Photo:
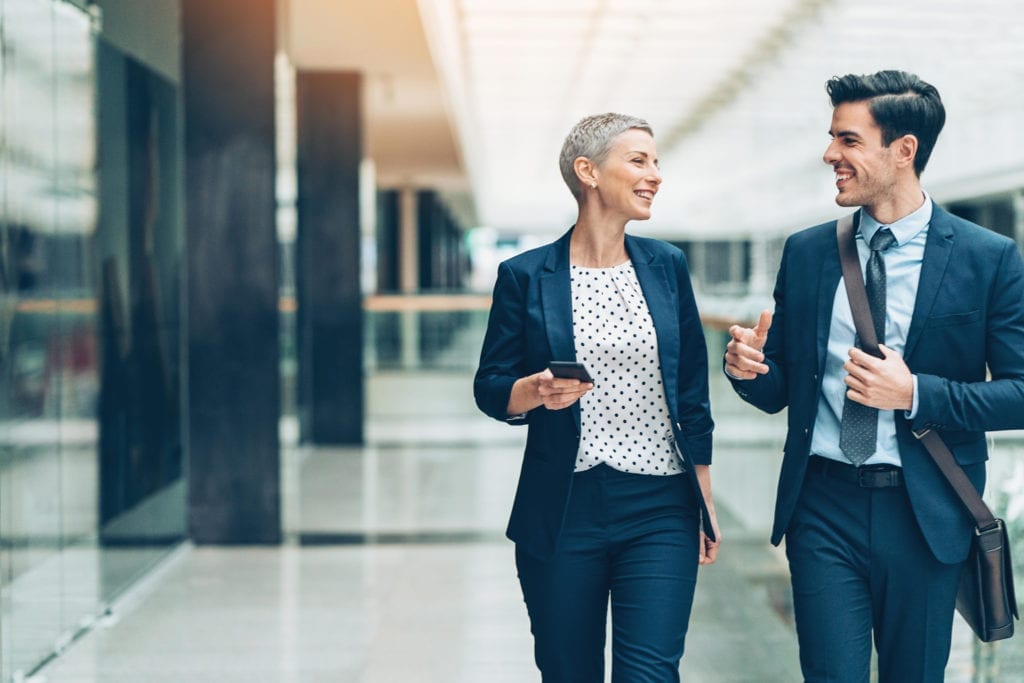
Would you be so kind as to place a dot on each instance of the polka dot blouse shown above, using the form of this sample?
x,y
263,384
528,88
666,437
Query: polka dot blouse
x,y
624,420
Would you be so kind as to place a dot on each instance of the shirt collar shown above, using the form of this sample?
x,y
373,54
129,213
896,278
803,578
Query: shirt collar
x,y
905,229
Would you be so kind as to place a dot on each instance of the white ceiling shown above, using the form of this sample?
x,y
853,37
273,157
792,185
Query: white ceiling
x,y
408,132
530,69
477,95
734,91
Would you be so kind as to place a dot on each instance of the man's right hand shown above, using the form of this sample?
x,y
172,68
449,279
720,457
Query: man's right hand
x,y
743,357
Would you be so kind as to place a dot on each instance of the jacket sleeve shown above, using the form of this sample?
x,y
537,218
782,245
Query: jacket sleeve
x,y
768,392
996,404
695,423
501,358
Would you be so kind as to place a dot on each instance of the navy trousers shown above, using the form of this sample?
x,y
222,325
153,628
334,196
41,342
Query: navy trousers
x,y
860,566
632,537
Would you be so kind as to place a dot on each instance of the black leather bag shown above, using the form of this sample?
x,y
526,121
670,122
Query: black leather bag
x,y
986,598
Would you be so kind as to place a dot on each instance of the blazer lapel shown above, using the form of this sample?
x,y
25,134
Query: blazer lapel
x,y
663,305
556,300
556,304
829,276
937,251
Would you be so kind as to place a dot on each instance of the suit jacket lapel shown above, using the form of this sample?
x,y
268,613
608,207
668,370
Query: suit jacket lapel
x,y
828,282
556,303
937,250
663,306
556,300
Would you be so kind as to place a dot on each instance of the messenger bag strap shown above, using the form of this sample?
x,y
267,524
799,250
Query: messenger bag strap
x,y
855,290
983,516
940,453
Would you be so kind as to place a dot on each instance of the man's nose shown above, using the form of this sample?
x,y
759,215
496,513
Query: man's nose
x,y
831,154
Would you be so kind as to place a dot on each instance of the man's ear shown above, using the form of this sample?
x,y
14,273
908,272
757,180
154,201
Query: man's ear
x,y
586,171
906,150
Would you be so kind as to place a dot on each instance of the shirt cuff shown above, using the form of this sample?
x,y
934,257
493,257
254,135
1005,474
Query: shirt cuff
x,y
741,379
912,413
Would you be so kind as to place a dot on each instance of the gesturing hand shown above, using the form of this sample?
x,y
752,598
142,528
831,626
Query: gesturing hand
x,y
743,357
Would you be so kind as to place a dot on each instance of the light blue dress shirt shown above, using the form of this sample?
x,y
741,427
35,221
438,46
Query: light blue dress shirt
x,y
902,273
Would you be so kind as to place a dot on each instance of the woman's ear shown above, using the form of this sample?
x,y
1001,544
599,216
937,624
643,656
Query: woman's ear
x,y
586,171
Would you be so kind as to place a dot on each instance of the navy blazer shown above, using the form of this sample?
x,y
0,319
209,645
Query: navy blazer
x,y
531,324
968,321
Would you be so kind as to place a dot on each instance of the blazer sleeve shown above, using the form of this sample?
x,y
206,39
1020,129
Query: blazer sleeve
x,y
768,392
695,423
501,358
996,404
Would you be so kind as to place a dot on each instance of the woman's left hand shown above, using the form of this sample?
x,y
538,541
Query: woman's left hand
x,y
709,548
708,551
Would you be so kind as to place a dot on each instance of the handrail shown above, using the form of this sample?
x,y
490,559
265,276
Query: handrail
x,y
427,302
376,303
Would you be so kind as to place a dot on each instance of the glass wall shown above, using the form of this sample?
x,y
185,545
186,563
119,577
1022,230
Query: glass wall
x,y
90,448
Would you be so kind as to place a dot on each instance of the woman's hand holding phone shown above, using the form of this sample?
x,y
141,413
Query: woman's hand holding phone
x,y
548,389
562,384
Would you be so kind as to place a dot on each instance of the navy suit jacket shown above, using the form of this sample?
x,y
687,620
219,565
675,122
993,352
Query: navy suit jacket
x,y
968,321
531,324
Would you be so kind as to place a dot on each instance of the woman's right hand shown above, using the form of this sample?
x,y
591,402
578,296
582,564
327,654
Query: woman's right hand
x,y
559,392
544,389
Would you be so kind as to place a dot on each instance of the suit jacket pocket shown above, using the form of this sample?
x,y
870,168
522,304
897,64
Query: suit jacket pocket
x,y
952,319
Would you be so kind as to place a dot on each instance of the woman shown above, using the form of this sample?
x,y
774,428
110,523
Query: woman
x,y
614,495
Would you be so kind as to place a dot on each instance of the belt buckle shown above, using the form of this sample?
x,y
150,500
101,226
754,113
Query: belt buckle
x,y
863,477
876,479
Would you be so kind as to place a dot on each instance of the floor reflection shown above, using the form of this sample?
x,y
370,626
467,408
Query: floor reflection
x,y
396,567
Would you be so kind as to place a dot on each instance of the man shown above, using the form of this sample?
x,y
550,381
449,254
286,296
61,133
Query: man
x,y
875,536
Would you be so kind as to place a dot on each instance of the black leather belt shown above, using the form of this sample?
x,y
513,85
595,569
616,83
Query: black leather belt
x,y
865,476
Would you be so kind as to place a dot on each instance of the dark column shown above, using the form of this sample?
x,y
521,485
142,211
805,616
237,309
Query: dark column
x,y
330,313
232,256
426,212
387,241
451,252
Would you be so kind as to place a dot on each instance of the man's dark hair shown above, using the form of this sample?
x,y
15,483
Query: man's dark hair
x,y
901,103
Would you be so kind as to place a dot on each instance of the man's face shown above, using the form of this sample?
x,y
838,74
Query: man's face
x,y
865,169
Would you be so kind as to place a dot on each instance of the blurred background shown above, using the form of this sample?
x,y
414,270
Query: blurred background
x,y
246,252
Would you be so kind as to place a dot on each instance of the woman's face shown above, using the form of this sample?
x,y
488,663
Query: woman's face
x,y
629,178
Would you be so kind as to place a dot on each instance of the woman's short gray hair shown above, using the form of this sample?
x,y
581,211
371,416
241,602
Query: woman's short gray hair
x,y
592,138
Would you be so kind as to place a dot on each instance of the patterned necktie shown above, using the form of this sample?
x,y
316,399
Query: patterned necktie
x,y
858,431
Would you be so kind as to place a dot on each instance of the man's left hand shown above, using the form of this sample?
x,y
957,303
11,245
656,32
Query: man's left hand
x,y
883,383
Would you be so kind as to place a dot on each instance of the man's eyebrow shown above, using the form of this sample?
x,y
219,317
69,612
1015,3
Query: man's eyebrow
x,y
845,134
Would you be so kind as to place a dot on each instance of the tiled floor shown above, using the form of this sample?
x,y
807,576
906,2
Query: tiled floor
x,y
397,570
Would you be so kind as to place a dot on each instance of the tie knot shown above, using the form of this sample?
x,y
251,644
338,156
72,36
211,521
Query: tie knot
x,y
882,239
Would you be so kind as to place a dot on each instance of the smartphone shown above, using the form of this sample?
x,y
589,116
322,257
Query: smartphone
x,y
570,370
